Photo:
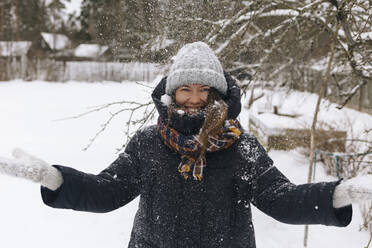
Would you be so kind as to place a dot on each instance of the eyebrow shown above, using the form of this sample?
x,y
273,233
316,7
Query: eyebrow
x,y
188,86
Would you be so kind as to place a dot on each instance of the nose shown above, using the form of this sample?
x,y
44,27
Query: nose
x,y
195,99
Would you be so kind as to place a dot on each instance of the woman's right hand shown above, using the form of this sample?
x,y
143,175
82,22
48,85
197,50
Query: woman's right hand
x,y
26,166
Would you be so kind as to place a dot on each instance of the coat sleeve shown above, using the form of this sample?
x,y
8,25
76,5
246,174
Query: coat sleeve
x,y
275,195
112,188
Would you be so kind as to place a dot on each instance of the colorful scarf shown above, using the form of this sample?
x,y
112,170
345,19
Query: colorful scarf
x,y
189,146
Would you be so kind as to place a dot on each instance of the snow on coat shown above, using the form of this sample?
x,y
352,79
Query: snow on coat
x,y
215,212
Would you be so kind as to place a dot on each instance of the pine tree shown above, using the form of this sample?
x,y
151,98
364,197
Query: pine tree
x,y
123,25
32,19
8,20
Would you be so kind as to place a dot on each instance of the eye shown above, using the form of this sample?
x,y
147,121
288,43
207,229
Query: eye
x,y
185,89
205,89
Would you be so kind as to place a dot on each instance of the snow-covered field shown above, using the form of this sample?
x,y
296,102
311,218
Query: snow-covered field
x,y
28,113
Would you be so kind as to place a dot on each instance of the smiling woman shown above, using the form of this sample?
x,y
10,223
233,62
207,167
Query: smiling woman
x,y
197,173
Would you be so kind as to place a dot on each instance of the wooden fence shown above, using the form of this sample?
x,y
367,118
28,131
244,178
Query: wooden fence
x,y
61,71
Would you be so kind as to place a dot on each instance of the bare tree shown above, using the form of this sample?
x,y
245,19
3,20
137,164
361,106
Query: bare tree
x,y
315,119
279,40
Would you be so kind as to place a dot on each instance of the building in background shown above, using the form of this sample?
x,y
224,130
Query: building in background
x,y
92,52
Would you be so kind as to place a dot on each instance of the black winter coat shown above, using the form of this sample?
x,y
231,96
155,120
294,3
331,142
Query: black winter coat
x,y
215,212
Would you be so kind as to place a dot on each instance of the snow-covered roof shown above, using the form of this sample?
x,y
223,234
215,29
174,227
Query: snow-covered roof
x,y
61,42
90,50
14,48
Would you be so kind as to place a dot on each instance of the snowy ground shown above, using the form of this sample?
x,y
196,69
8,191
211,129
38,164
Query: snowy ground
x,y
29,111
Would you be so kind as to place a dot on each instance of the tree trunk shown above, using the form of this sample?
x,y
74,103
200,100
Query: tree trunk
x,y
123,22
17,19
2,20
361,97
315,118
140,14
54,26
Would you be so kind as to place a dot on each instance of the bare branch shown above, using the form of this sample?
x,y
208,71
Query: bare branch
x,y
103,128
144,85
147,116
351,94
211,39
105,106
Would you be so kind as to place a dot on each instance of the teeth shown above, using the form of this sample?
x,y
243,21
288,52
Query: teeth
x,y
192,110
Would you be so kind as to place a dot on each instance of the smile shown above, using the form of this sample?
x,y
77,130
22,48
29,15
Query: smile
x,y
192,110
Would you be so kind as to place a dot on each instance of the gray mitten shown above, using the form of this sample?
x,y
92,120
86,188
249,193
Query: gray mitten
x,y
29,167
355,190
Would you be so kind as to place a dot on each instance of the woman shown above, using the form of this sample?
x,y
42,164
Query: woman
x,y
196,171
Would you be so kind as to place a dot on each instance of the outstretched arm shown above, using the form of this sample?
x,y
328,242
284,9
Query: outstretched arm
x,y
26,166
275,195
65,187
114,187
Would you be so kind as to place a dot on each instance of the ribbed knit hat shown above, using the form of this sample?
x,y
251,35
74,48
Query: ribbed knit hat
x,y
195,63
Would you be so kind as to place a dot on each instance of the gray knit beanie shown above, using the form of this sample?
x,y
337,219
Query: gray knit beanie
x,y
195,63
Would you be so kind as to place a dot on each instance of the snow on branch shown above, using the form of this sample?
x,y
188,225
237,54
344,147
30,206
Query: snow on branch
x,y
351,94
359,62
198,19
211,38
240,31
281,68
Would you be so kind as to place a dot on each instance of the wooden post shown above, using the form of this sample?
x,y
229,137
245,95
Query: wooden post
x,y
315,118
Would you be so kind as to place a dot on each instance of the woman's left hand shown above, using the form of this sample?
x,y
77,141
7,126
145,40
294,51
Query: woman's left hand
x,y
355,190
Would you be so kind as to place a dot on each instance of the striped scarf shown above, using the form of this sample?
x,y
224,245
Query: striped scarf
x,y
189,146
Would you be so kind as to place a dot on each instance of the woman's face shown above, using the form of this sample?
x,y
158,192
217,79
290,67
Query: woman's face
x,y
192,97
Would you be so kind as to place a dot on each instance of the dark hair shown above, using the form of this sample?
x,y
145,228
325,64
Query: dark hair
x,y
215,116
